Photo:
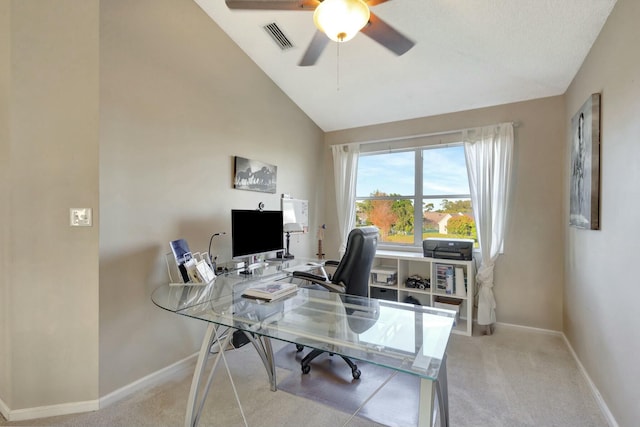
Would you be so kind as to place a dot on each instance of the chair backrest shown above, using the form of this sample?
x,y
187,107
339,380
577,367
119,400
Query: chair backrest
x,y
355,266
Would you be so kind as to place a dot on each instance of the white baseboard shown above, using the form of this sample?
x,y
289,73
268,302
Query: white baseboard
x,y
596,393
4,410
93,405
529,328
48,411
150,380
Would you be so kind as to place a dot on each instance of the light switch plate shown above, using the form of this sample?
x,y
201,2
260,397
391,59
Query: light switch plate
x,y
80,217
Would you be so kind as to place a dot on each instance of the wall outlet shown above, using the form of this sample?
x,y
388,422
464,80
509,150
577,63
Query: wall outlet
x,y
80,217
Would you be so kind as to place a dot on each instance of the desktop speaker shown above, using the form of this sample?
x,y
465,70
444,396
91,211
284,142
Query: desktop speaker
x,y
239,339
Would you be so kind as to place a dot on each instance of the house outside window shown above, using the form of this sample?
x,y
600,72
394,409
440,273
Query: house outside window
x,y
415,193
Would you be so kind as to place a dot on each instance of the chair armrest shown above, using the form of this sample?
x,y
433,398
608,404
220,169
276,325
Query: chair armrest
x,y
318,280
308,276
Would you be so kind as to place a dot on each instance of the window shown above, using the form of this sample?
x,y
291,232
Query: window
x,y
415,193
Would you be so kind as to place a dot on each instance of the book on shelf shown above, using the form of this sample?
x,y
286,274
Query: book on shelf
x,y
270,291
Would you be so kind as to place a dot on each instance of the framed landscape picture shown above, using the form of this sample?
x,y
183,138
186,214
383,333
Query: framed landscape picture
x,y
584,193
254,175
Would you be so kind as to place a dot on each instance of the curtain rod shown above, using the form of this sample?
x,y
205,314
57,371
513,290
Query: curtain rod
x,y
423,135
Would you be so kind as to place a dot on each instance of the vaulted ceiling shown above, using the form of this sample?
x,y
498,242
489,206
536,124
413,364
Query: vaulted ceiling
x,y
467,54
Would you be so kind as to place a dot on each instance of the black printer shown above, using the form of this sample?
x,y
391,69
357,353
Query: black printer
x,y
460,249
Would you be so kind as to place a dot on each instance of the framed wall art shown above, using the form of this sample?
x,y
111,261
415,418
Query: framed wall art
x,y
254,175
584,193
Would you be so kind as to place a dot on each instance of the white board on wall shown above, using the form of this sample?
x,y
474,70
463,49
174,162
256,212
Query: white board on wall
x,y
296,211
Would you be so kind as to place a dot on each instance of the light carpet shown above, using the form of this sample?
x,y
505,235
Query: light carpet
x,y
516,377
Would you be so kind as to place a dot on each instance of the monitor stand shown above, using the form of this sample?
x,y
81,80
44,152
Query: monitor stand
x,y
252,264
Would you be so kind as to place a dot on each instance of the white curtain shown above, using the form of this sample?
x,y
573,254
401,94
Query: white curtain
x,y
345,166
488,151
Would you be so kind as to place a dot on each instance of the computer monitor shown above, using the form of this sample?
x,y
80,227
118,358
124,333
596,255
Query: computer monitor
x,y
255,232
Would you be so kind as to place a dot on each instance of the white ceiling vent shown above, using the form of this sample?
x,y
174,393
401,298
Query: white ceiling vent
x,y
278,36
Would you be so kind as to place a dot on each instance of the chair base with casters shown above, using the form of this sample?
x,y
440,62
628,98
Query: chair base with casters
x,y
306,367
351,277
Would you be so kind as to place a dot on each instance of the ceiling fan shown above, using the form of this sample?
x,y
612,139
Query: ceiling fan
x,y
328,17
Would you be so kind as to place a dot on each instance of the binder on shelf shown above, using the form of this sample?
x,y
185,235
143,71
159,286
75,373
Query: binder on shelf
x,y
444,278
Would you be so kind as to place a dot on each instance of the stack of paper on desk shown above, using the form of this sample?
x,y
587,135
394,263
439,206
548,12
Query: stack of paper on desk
x,y
270,291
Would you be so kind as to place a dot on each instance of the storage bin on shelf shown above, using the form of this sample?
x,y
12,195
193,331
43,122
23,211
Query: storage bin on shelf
x,y
446,303
384,275
382,293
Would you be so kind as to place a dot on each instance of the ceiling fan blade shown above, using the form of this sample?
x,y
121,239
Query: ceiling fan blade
x,y
387,36
272,4
313,52
375,2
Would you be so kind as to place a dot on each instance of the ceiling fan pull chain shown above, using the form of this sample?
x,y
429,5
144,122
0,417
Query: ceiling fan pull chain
x,y
338,67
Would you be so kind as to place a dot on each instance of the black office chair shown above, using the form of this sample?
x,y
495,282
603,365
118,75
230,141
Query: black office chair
x,y
351,277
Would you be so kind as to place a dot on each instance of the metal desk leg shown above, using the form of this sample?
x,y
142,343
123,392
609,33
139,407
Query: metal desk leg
x,y
272,362
427,395
443,393
263,348
428,391
196,401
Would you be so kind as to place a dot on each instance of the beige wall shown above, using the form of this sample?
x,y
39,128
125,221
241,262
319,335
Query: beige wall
x,y
528,285
178,100
5,79
135,109
52,281
146,99
601,287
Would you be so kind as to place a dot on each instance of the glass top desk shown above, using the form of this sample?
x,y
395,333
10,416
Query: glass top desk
x,y
400,337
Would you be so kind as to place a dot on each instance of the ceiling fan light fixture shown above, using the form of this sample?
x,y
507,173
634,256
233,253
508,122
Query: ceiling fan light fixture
x,y
341,20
